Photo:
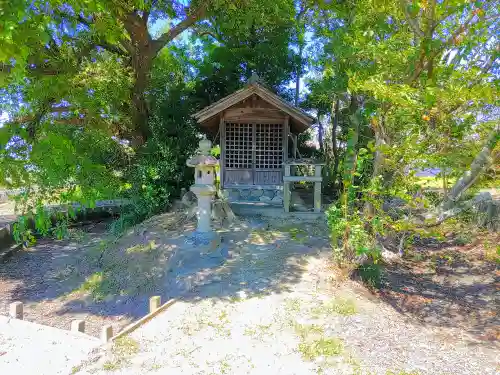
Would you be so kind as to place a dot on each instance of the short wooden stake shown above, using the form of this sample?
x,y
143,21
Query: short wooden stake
x,y
16,310
106,333
78,326
154,303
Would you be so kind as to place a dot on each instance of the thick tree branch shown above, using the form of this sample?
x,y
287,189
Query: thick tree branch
x,y
422,64
189,21
411,21
203,30
493,57
33,125
482,161
111,48
205,33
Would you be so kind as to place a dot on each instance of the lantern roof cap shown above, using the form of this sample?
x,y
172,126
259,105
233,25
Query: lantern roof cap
x,y
202,160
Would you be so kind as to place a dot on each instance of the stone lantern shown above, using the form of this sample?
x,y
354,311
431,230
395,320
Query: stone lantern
x,y
204,183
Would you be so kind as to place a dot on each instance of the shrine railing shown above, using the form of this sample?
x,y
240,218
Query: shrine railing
x,y
290,177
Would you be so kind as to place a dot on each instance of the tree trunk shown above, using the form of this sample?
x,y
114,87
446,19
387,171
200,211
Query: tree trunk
x,y
378,160
335,114
301,43
481,162
142,50
445,184
299,74
320,135
351,152
141,64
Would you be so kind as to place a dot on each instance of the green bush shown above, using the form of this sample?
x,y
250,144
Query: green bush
x,y
371,275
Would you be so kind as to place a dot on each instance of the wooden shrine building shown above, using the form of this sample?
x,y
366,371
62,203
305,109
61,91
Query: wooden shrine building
x,y
258,139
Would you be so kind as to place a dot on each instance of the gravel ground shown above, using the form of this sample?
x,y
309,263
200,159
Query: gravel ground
x,y
43,276
91,276
275,307
28,348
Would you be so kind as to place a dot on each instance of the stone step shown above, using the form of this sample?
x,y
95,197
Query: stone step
x,y
30,348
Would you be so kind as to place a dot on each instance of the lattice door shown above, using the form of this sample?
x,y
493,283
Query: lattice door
x,y
253,154
268,146
238,154
239,139
268,154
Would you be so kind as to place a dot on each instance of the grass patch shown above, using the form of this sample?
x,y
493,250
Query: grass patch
x,y
417,256
235,299
258,331
249,331
79,235
464,239
292,304
100,285
263,236
219,324
122,348
307,330
491,254
340,306
344,306
402,373
93,286
296,234
142,248
121,270
190,328
321,347
155,366
125,346
112,365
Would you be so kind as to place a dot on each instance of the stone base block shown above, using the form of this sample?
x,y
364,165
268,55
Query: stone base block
x,y
270,196
204,242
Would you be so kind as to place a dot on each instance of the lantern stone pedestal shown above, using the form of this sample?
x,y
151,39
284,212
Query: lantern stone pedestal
x,y
205,194
204,239
203,248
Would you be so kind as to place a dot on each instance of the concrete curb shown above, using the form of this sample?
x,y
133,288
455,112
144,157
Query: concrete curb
x,y
38,327
132,327
7,244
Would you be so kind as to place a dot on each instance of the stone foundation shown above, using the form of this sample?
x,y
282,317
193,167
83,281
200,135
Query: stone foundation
x,y
270,196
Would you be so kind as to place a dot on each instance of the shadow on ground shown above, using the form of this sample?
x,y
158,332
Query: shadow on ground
x,y
447,285
105,280
109,281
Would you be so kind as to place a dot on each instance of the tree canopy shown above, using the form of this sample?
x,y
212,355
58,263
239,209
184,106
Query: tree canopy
x,y
99,94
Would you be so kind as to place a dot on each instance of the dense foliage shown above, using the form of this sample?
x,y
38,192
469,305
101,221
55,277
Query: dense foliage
x,y
99,97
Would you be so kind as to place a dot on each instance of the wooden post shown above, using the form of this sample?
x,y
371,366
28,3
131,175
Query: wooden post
x,y
317,189
222,161
154,303
286,190
286,130
106,333
254,150
294,141
16,310
78,326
